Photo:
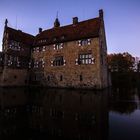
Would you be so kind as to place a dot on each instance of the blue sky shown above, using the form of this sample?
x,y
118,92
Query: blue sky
x,y
122,18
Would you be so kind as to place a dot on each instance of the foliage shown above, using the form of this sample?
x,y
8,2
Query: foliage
x,y
121,62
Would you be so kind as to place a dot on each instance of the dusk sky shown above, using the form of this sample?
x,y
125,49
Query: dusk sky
x,y
122,18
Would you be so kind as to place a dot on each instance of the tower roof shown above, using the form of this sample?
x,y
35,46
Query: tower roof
x,y
56,23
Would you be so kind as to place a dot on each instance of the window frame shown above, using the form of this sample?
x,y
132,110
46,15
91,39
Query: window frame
x,y
58,61
85,59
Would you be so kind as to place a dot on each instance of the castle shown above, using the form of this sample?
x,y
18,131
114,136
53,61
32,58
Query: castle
x,y
72,56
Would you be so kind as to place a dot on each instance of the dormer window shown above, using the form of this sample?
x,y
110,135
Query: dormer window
x,y
58,46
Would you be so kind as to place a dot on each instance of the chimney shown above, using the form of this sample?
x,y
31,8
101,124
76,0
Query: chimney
x,y
20,30
75,20
101,13
40,30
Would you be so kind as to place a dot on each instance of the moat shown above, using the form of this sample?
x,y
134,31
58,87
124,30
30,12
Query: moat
x,y
38,114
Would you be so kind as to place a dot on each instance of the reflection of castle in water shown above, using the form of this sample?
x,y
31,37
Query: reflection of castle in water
x,y
65,114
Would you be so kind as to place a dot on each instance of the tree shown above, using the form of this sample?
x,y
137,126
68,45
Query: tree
x,y
121,62
138,66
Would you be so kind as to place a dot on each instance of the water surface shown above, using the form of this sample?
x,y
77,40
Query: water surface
x,y
38,114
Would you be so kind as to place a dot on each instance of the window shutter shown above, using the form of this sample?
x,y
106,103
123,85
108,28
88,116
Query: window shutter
x,y
79,43
51,63
29,64
93,60
43,63
37,49
61,45
89,41
18,64
54,46
64,62
44,48
76,62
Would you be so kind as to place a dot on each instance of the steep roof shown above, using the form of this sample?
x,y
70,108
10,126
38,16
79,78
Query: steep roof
x,y
20,36
84,29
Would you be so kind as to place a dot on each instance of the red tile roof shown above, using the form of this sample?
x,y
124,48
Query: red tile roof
x,y
85,29
20,36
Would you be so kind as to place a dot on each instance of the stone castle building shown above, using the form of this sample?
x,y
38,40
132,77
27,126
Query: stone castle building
x,y
72,56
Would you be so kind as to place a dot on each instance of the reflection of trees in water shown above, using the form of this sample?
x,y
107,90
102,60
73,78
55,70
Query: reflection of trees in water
x,y
138,93
123,100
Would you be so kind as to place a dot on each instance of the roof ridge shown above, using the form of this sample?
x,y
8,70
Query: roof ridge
x,y
70,24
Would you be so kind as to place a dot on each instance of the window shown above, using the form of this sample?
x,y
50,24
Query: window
x,y
44,48
48,78
36,64
13,60
85,59
14,45
61,78
43,63
81,78
37,49
84,42
42,41
58,61
18,64
30,64
58,46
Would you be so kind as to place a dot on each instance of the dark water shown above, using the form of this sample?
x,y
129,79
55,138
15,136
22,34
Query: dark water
x,y
49,114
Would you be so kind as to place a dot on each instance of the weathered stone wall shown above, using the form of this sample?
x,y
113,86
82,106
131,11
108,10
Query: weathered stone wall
x,y
14,77
103,57
91,74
